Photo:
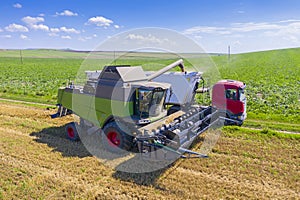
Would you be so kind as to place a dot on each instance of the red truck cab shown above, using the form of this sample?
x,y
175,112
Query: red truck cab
x,y
229,97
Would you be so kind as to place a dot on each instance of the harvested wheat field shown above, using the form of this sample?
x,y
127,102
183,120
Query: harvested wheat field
x,y
37,162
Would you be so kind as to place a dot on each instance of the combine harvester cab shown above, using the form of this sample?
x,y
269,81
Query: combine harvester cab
x,y
153,113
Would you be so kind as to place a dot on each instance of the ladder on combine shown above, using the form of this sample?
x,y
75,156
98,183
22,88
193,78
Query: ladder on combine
x,y
61,111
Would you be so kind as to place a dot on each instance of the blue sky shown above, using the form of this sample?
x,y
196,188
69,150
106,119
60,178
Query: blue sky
x,y
214,24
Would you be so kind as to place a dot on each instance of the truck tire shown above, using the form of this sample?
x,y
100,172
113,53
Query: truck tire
x,y
240,123
115,139
71,132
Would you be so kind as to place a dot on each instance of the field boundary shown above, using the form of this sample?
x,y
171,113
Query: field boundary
x,y
279,131
25,102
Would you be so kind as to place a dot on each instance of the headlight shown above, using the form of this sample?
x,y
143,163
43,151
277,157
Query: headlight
x,y
143,121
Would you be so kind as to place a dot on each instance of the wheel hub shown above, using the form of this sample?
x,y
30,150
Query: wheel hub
x,y
113,138
71,132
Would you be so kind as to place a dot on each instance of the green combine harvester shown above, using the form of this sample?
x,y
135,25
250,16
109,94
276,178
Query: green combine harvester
x,y
142,111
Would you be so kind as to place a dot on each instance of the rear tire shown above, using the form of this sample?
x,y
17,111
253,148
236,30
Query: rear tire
x,y
116,139
71,132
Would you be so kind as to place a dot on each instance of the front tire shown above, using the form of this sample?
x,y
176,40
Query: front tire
x,y
115,139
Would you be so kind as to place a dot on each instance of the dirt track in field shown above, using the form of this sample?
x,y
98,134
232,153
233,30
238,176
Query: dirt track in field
x,y
36,161
26,102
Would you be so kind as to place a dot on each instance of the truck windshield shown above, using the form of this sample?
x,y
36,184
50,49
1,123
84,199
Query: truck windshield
x,y
242,95
150,102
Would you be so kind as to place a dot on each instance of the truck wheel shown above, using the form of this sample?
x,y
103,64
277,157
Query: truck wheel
x,y
240,123
115,139
227,122
71,132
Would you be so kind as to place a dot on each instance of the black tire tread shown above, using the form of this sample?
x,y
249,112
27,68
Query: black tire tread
x,y
127,140
72,125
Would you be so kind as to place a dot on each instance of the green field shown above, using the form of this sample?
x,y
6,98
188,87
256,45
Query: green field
x,y
272,77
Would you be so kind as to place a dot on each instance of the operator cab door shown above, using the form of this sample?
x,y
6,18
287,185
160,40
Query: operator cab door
x,y
149,102
226,98
232,101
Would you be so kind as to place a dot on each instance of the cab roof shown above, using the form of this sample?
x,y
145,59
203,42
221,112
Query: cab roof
x,y
233,83
123,73
130,76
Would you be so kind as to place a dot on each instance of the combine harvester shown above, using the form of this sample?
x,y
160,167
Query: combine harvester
x,y
149,111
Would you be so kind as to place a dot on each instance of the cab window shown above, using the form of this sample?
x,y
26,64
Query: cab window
x,y
231,94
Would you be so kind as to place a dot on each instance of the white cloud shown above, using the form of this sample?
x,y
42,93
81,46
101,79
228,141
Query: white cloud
x,y
291,38
41,27
42,15
116,26
147,38
240,28
67,37
69,30
32,20
198,37
23,37
17,5
289,20
1,30
83,39
16,28
54,30
53,34
66,13
100,21
249,27
233,28
65,30
289,32
236,36
208,30
250,36
34,23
